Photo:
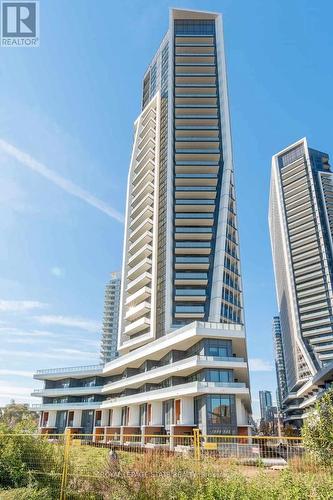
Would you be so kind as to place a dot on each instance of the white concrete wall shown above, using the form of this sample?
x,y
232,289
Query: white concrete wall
x,y
134,415
156,413
242,418
52,418
77,418
116,417
187,411
105,418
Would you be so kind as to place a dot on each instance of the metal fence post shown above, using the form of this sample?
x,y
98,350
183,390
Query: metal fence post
x,y
64,478
196,441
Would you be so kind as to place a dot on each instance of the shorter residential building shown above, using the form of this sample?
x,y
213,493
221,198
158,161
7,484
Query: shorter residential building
x,y
265,399
196,376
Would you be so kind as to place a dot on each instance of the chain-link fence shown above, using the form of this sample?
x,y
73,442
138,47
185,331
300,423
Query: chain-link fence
x,y
88,466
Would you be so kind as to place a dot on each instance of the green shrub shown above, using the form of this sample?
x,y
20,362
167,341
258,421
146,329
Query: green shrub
x,y
317,430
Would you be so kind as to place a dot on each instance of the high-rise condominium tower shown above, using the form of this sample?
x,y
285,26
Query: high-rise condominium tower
x,y
266,403
111,319
280,367
301,223
182,349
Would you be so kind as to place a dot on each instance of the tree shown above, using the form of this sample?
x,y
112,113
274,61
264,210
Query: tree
x,y
15,413
317,430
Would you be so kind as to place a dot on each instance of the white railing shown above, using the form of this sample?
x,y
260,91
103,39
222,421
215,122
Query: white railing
x,y
66,390
71,369
40,406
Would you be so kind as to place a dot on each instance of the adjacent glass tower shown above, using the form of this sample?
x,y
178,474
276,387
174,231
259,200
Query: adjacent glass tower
x,y
111,319
280,367
266,403
300,219
182,347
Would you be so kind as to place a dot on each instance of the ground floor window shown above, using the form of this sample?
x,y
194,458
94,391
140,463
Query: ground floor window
x,y
221,414
61,420
87,421
216,414
168,412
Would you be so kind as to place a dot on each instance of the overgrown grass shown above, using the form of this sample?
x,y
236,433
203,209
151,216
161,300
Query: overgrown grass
x,y
31,466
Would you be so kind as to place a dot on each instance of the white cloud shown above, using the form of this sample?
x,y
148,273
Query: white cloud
x,y
64,184
20,305
10,332
70,321
260,365
16,373
59,272
13,390
59,354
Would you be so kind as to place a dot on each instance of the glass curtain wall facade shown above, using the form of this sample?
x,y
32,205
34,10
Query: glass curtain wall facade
x,y
301,235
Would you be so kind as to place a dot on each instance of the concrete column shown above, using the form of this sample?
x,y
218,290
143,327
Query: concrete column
x,y
187,411
241,413
52,418
156,413
134,416
77,418
105,418
116,417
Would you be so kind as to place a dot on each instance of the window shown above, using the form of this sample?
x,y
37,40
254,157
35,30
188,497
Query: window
x,y
125,415
70,419
98,418
219,348
45,418
168,413
218,375
194,27
110,418
143,414
221,413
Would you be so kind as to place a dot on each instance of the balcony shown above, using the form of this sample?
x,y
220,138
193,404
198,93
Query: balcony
x,y
142,229
139,296
64,391
195,247
191,262
146,238
194,219
144,265
139,282
189,388
144,252
65,406
191,278
139,185
136,312
193,233
146,189
148,200
190,311
86,370
137,326
146,213
190,295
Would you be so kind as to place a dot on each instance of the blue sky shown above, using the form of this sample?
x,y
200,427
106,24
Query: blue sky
x,y
70,105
